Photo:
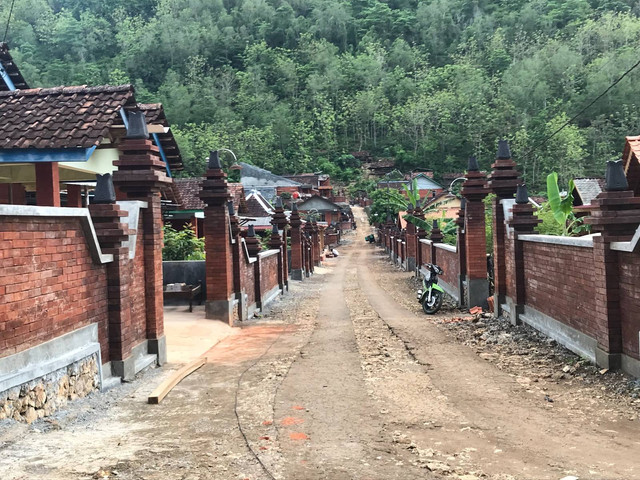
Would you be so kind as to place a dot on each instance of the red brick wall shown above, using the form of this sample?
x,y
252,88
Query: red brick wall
x,y
425,248
629,270
560,283
509,264
448,261
138,301
268,274
247,276
49,284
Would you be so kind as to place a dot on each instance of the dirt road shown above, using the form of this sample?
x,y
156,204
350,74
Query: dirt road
x,y
343,379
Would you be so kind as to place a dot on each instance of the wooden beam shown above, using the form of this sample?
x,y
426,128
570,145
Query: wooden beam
x,y
165,387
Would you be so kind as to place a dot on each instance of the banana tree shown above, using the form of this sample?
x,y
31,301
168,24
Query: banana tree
x,y
562,207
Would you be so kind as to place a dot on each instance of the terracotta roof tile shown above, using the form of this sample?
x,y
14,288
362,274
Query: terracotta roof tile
x,y
52,117
188,193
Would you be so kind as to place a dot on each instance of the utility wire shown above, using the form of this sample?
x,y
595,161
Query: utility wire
x,y
6,30
571,120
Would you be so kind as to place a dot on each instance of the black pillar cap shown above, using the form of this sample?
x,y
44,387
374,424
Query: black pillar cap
x,y
463,203
410,208
435,224
294,207
473,165
279,202
232,211
104,192
137,125
274,230
251,231
214,161
616,181
522,196
504,152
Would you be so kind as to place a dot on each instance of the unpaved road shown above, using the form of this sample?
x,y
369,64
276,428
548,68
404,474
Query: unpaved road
x,y
342,379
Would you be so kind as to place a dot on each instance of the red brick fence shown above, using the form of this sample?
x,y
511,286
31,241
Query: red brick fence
x,y
81,290
581,291
241,278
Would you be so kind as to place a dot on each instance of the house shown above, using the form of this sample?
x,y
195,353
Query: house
x,y
268,184
586,189
631,163
381,167
189,208
327,211
427,187
442,205
53,141
319,183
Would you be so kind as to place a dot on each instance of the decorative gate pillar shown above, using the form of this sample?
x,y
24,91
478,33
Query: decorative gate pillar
x,y
141,175
503,182
474,190
616,217
523,223
280,220
297,258
217,231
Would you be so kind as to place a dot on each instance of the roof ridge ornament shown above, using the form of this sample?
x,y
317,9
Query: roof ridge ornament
x,y
137,125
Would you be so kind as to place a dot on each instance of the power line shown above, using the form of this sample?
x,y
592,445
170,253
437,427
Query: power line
x,y
6,30
571,120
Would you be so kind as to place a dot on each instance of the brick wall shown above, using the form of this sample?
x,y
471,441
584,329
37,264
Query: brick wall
x,y
425,248
49,283
138,305
509,264
629,271
268,274
559,283
247,277
448,261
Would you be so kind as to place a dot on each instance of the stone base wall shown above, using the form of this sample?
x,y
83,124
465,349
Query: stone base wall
x,y
43,396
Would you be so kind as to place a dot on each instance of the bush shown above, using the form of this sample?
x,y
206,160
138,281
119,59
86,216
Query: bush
x,y
182,245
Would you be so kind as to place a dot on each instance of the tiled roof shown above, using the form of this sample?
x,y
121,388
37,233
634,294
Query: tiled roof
x,y
588,188
61,117
154,114
12,69
189,193
258,206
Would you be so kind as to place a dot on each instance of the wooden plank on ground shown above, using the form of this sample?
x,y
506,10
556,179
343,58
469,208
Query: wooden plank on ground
x,y
165,387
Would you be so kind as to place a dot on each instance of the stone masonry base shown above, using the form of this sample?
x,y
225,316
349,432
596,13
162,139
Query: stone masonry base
x,y
42,396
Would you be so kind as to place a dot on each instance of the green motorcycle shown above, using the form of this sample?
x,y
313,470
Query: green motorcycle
x,y
431,294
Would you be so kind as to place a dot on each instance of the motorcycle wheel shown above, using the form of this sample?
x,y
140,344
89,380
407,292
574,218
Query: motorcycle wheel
x,y
435,304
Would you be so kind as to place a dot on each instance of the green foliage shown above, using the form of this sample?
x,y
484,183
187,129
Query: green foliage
x,y
296,86
562,208
182,245
385,202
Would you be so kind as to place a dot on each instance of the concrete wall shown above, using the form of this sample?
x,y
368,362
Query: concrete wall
x,y
190,272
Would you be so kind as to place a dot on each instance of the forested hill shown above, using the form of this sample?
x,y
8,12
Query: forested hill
x,y
297,85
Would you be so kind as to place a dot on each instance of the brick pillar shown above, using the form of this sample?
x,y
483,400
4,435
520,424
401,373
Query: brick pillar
x,y
411,242
280,220
112,232
297,259
236,253
435,237
503,182
47,184
275,243
254,248
420,234
308,231
141,175
523,223
315,242
217,232
74,196
461,248
615,215
474,190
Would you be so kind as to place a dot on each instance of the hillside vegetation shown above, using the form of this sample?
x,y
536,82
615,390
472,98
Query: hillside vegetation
x,y
297,85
